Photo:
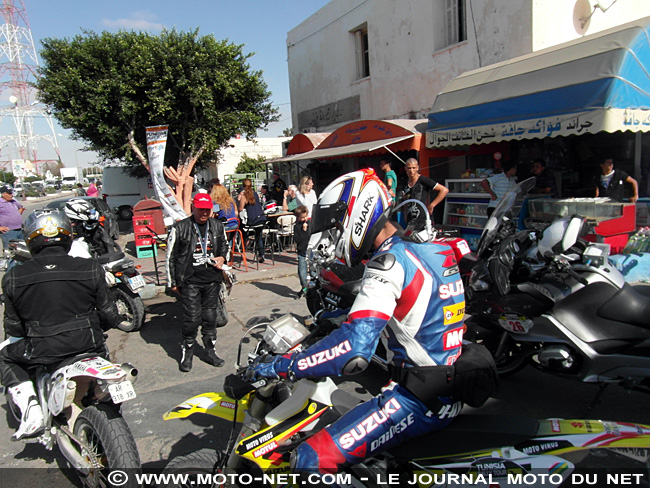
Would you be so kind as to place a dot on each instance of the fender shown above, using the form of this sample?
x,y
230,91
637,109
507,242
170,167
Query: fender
x,y
215,404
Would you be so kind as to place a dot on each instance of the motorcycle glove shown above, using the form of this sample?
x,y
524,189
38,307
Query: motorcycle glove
x,y
269,366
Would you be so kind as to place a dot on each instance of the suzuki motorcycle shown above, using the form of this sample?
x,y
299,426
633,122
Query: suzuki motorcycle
x,y
81,401
275,416
334,286
550,299
121,275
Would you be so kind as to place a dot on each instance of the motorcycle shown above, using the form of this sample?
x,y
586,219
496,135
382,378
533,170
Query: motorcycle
x,y
275,416
121,275
334,286
81,402
546,298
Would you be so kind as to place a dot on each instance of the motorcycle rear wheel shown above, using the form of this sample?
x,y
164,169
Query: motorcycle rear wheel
x,y
130,305
104,430
200,462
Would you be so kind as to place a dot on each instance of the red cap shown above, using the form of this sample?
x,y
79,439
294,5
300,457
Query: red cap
x,y
202,200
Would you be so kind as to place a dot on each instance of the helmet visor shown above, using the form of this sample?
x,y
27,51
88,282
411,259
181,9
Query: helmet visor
x,y
325,216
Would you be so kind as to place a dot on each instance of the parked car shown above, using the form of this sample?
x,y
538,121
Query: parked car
x,y
100,205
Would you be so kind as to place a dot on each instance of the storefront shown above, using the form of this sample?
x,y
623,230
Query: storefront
x,y
572,105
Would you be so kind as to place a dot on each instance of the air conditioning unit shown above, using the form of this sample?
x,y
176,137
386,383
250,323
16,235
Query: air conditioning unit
x,y
309,130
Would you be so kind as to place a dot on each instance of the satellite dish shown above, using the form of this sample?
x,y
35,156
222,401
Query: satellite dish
x,y
582,12
13,99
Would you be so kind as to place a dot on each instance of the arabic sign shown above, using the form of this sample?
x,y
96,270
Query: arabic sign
x,y
156,144
608,120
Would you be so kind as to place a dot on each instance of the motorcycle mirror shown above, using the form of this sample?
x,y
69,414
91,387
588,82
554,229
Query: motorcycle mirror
x,y
572,232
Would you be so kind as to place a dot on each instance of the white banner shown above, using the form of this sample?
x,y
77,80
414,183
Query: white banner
x,y
156,144
607,120
18,167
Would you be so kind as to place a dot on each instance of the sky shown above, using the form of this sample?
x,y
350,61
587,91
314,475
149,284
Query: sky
x,y
261,25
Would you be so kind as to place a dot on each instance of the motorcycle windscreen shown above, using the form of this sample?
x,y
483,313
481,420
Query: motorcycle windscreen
x,y
325,216
216,404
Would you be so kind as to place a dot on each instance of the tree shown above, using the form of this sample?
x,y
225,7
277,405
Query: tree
x,y
288,132
108,87
251,165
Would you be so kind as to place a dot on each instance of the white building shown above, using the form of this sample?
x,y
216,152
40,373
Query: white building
x,y
387,59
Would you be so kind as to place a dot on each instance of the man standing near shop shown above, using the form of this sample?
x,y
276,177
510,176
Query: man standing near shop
x,y
418,188
278,187
390,179
611,183
196,252
11,218
499,184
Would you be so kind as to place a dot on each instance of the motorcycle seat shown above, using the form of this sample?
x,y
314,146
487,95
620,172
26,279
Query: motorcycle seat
x,y
469,433
110,257
627,306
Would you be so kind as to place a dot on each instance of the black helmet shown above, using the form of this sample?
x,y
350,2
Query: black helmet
x,y
47,227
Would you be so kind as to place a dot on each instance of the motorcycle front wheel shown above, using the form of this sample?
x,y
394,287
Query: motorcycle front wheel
x,y
186,468
103,429
130,306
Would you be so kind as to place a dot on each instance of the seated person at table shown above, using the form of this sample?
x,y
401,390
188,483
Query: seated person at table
x,y
224,206
289,202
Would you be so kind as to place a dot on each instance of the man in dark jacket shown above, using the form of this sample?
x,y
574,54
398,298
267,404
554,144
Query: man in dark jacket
x,y
59,306
197,249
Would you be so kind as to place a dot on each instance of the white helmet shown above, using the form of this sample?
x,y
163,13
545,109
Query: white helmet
x,y
80,209
349,214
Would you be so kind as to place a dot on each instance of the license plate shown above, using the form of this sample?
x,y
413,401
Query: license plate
x,y
121,392
136,282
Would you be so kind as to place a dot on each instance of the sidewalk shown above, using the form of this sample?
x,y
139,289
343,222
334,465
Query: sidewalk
x,y
286,264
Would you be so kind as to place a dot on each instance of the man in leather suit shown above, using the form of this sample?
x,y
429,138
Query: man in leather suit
x,y
197,249
58,305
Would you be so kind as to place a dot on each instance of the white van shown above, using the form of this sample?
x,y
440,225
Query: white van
x,y
122,191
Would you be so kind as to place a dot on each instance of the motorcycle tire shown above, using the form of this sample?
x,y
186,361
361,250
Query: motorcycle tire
x,y
104,430
314,302
200,462
130,305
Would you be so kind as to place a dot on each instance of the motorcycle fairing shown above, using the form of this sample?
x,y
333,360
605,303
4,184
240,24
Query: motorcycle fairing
x,y
264,447
216,404
94,367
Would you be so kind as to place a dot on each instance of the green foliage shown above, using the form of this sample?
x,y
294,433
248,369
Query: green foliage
x,y
104,86
251,165
7,177
288,132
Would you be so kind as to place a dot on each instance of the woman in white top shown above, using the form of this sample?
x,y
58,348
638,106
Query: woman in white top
x,y
306,195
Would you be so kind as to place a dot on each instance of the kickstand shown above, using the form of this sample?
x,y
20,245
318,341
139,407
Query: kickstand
x,y
596,400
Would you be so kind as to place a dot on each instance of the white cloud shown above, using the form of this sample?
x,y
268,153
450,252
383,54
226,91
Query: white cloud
x,y
141,20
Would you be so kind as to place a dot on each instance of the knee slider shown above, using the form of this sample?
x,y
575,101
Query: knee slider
x,y
355,365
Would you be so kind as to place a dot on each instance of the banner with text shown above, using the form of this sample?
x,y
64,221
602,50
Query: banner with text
x,y
156,144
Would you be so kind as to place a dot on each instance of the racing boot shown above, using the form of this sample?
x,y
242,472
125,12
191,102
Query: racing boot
x,y
212,358
31,422
187,353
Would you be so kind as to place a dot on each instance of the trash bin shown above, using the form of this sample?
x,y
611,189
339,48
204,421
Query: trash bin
x,y
154,209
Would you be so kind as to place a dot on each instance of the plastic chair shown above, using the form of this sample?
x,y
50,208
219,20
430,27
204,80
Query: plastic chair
x,y
285,224
251,232
238,246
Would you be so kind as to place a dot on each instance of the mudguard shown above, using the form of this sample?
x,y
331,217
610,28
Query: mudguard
x,y
216,404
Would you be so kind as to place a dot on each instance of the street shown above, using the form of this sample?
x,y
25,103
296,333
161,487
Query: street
x,y
259,297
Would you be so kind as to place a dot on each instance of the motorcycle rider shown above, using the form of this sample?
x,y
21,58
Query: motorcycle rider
x,y
59,306
411,296
86,224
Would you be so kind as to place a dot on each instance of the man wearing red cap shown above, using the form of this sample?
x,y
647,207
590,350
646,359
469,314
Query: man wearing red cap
x,y
196,252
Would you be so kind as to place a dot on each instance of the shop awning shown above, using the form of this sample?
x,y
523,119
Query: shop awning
x,y
362,136
597,83
332,152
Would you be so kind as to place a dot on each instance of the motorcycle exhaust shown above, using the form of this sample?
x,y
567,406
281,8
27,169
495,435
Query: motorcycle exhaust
x,y
556,357
131,371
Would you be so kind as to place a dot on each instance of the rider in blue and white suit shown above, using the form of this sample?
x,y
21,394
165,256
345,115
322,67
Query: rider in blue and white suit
x,y
412,295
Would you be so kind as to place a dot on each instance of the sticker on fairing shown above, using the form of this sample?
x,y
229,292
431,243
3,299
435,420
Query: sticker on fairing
x,y
517,324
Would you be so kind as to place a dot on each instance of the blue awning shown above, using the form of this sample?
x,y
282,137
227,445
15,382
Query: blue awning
x,y
597,83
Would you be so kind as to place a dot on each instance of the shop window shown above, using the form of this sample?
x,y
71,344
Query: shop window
x,y
455,25
361,52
